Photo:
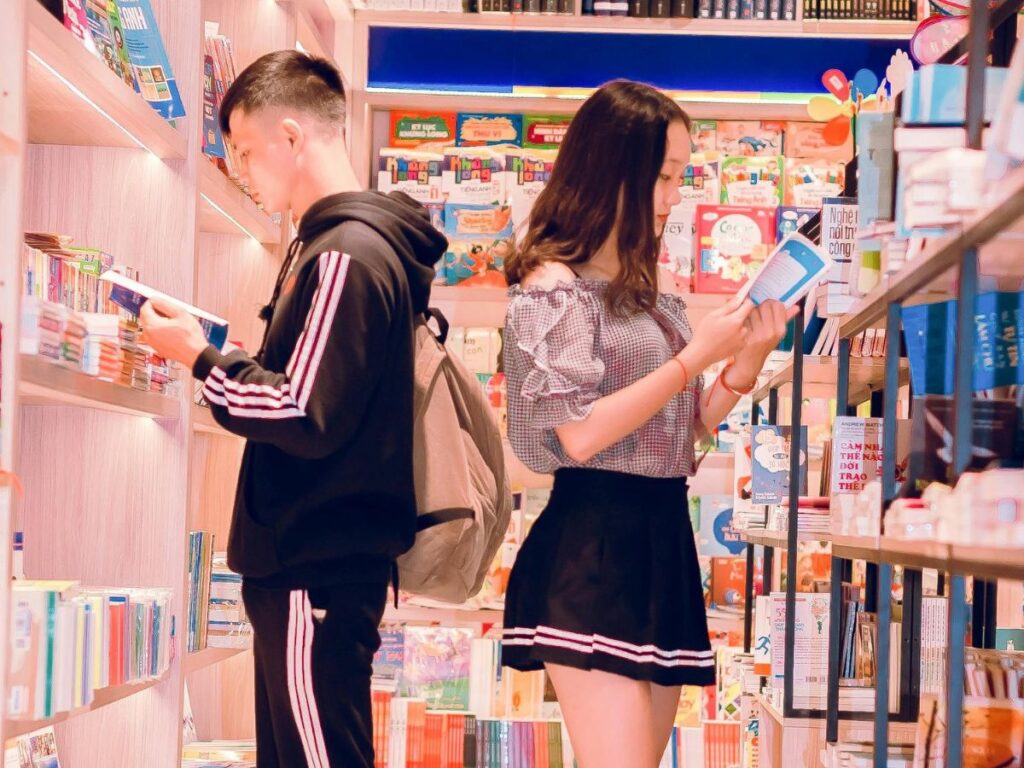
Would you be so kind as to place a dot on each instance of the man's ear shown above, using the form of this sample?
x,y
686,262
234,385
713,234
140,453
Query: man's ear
x,y
294,133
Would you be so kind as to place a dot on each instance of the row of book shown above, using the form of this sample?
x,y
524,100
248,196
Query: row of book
x,y
200,571
228,624
219,754
124,35
69,641
882,10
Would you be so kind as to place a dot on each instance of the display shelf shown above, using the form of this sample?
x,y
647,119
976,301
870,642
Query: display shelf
x,y
204,423
431,615
821,375
989,562
103,698
208,657
916,275
726,106
74,99
46,383
780,539
225,209
891,30
855,547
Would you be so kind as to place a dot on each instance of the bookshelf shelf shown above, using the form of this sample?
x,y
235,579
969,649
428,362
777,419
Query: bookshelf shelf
x,y
780,539
204,423
627,25
561,101
225,209
969,559
45,383
821,375
74,99
208,657
916,275
425,615
991,562
103,698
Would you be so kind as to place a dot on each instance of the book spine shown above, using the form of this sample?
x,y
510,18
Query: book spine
x,y
661,9
732,9
789,10
550,7
682,9
761,10
720,9
706,9
640,8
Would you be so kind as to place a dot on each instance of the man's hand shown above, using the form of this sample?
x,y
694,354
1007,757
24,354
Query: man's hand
x,y
172,331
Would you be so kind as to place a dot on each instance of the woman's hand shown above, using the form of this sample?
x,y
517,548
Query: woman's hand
x,y
766,325
724,332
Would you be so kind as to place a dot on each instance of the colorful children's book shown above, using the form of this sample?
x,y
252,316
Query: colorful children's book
x,y
484,129
717,536
753,181
809,182
154,78
789,219
792,271
732,243
474,175
807,140
545,131
413,130
416,173
479,241
771,463
102,35
117,33
704,135
526,174
749,139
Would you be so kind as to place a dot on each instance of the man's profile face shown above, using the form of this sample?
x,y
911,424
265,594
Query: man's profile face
x,y
265,151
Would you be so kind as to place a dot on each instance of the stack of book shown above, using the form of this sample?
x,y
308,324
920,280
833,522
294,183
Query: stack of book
x,y
219,754
228,625
760,10
69,641
812,515
887,10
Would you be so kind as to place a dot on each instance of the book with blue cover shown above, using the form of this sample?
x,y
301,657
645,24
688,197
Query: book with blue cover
x,y
130,295
154,77
717,536
930,332
770,463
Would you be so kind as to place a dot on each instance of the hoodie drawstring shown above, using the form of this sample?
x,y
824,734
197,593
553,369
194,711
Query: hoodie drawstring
x,y
267,311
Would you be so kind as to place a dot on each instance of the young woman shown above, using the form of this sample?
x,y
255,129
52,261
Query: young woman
x,y
605,390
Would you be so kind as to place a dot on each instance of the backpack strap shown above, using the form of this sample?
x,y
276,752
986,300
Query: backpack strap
x,y
435,314
430,519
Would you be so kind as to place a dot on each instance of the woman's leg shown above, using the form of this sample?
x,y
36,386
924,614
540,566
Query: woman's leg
x,y
664,705
609,717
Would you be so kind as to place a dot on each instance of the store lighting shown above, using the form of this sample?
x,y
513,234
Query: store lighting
x,y
229,217
74,89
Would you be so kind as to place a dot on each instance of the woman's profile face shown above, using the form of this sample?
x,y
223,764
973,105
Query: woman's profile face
x,y
666,188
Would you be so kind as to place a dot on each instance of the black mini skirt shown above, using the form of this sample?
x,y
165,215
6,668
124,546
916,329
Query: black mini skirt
x,y
608,579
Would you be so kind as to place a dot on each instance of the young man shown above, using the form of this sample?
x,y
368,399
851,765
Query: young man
x,y
325,498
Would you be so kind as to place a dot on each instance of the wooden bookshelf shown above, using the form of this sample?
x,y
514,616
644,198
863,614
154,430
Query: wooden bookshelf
x,y
780,539
103,697
73,99
9,145
969,559
46,383
821,376
999,213
225,209
207,657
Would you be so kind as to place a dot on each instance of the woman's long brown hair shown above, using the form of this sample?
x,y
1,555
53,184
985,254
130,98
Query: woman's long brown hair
x,y
603,183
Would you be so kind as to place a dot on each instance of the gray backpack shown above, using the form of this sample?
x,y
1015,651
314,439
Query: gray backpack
x,y
462,491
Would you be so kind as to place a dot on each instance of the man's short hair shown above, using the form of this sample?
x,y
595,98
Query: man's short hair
x,y
287,79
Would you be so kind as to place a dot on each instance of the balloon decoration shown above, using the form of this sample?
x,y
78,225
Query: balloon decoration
x,y
849,97
936,35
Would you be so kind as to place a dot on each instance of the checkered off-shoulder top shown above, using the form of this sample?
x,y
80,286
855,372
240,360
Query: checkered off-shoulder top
x,y
564,350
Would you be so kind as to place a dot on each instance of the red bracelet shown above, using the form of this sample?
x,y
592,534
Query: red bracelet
x,y
737,392
686,373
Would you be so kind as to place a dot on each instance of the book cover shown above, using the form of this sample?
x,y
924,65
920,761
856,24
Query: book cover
x,y
792,271
117,33
677,243
839,222
545,131
526,174
761,644
102,36
436,666
415,172
487,129
411,130
732,243
807,140
153,74
476,176
130,295
389,660
728,581
857,457
789,219
752,181
479,241
810,181
717,535
741,138
771,463
77,22
213,141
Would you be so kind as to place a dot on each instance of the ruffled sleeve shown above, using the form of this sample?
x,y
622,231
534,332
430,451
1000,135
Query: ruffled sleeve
x,y
553,366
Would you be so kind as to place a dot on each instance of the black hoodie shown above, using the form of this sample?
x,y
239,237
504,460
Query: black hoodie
x,y
325,494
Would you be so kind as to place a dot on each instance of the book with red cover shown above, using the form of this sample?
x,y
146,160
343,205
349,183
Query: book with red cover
x,y
731,244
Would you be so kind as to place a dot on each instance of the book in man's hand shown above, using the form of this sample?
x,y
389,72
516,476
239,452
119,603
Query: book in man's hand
x,y
131,295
